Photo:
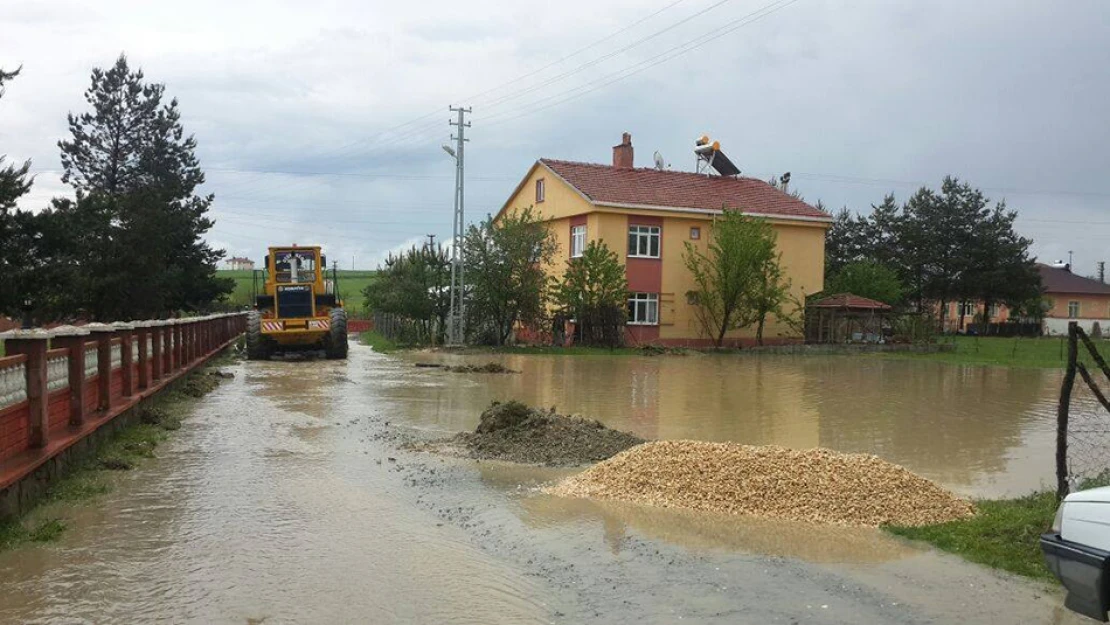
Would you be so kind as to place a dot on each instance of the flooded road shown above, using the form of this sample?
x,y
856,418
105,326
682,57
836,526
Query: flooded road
x,y
286,499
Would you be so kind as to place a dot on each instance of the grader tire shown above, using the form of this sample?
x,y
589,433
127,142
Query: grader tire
x,y
257,346
337,337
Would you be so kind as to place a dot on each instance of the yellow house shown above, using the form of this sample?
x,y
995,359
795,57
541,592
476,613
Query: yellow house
x,y
647,215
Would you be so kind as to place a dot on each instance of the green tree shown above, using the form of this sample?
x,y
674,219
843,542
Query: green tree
x,y
867,278
135,173
729,276
412,286
14,253
594,292
769,296
506,280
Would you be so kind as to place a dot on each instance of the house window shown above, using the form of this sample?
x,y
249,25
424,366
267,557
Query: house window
x,y
643,309
994,311
577,241
695,233
643,241
1073,310
539,190
967,309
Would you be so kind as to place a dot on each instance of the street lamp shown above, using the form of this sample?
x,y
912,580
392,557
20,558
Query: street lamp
x,y
450,150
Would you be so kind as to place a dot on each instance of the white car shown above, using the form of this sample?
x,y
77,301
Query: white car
x,y
1078,551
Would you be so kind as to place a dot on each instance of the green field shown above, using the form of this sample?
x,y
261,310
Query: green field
x,y
351,284
1042,353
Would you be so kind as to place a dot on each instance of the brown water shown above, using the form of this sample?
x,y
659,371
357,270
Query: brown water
x,y
283,500
983,431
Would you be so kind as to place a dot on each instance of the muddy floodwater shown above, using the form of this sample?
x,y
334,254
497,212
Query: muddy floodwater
x,y
287,497
982,431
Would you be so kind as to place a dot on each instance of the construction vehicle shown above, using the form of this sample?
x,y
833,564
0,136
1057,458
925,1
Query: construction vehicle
x,y
298,308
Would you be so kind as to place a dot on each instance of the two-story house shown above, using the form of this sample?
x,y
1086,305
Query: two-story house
x,y
647,215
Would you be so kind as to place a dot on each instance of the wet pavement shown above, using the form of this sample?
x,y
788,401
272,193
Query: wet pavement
x,y
286,498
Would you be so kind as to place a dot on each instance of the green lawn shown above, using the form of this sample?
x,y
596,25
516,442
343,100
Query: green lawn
x,y
1004,534
351,284
1045,353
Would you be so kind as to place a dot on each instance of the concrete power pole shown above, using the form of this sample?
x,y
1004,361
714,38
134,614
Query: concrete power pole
x,y
457,311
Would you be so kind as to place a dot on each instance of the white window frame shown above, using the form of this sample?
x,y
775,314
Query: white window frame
x,y
1073,303
648,303
541,190
577,240
643,237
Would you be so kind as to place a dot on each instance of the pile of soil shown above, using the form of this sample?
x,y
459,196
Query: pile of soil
x,y
489,367
815,485
517,433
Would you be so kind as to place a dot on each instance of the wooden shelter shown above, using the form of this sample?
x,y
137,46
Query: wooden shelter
x,y
846,318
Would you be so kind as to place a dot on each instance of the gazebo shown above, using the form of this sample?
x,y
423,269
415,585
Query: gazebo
x,y
846,318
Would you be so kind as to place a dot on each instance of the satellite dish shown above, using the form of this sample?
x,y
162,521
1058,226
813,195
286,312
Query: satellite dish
x,y
659,164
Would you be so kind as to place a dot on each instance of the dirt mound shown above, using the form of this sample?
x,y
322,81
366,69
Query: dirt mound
x,y
817,485
517,433
489,367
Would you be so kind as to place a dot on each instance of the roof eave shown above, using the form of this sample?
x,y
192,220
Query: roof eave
x,y
705,211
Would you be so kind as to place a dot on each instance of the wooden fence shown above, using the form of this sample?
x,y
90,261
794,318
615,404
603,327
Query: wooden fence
x,y
1083,428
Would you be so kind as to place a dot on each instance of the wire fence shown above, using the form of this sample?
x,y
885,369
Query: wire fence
x,y
1083,417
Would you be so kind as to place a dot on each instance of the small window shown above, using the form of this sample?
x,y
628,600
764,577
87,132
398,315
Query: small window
x,y
1073,310
994,311
577,241
967,309
643,309
695,233
539,190
643,241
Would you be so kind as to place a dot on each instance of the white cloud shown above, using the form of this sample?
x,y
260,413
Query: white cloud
x,y
1009,100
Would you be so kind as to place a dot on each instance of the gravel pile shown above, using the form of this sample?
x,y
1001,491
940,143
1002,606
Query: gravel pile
x,y
516,433
816,485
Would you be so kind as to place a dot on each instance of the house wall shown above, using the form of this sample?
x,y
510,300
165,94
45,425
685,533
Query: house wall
x,y
1092,308
802,245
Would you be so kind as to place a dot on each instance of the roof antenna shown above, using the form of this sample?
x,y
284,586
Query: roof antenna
x,y
659,164
785,180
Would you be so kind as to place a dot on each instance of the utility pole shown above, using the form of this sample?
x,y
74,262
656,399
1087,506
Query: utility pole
x,y
457,309
431,241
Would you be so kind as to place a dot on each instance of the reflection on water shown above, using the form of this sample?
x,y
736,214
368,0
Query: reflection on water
x,y
980,430
691,529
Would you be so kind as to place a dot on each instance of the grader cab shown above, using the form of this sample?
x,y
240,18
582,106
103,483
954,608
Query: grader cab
x,y
298,308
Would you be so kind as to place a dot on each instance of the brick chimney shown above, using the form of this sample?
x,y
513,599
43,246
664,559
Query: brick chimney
x,y
622,154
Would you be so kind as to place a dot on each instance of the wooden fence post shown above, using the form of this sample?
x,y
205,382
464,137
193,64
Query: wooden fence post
x,y
1062,413
33,344
73,339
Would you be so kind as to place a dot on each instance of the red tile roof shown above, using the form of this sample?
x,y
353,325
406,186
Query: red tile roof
x,y
1055,280
848,300
677,189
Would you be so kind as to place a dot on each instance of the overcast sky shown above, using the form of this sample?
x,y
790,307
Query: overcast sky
x,y
321,122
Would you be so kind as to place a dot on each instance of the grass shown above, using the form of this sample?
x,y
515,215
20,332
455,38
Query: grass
x,y
375,340
351,285
1042,353
1004,534
127,449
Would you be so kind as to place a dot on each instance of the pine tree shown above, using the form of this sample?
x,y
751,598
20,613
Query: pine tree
x,y
135,174
14,252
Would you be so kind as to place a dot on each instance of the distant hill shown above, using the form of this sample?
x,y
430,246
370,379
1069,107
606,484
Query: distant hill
x,y
351,284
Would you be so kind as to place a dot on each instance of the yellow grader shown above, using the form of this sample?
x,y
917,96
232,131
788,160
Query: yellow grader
x,y
299,309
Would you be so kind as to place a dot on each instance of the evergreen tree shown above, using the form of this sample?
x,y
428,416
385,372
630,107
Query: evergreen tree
x,y
14,227
135,174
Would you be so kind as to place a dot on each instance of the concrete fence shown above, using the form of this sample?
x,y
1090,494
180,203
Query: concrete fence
x,y
60,386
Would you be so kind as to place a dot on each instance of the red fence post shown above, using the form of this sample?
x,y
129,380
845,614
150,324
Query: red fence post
x,y
157,361
33,344
179,343
126,333
142,338
74,339
102,335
